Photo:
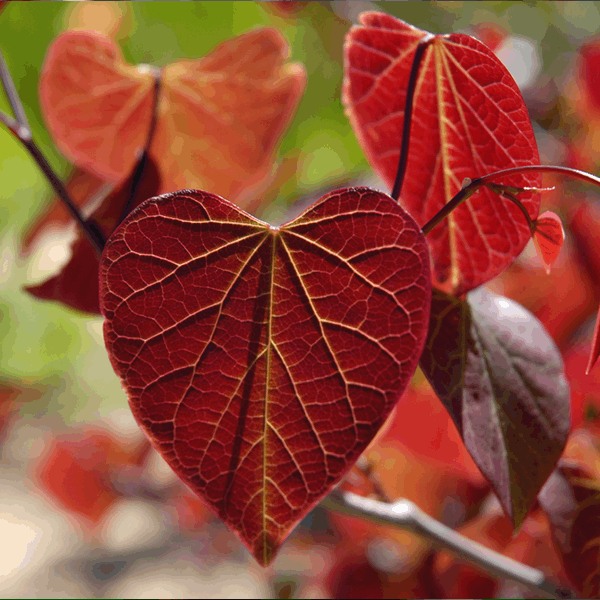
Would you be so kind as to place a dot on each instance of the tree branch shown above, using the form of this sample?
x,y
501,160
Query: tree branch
x,y
21,130
406,515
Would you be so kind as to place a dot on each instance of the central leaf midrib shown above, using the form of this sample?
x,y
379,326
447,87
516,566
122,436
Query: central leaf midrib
x,y
438,59
274,239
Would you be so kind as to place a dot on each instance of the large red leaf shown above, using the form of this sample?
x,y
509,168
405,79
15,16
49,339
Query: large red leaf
x,y
469,119
219,121
261,361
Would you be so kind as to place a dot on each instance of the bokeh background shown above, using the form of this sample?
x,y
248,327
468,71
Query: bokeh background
x,y
73,520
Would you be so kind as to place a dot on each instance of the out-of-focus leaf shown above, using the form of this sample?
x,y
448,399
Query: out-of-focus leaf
x,y
585,389
500,376
76,284
262,361
220,117
77,469
589,71
595,351
571,499
469,119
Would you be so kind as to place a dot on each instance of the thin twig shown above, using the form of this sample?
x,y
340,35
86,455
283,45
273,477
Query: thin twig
x,y
476,184
12,94
408,107
21,130
404,514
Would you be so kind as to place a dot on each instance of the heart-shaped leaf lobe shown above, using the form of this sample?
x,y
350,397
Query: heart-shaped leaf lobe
x,y
262,361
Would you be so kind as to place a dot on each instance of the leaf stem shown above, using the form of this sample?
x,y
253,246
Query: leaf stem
x,y
502,191
478,183
139,170
408,108
404,514
21,130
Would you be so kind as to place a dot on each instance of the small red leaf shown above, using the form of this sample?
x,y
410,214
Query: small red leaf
x,y
262,361
548,238
469,120
76,470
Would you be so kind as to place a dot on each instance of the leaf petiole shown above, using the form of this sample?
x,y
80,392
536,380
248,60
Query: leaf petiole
x,y
408,107
141,165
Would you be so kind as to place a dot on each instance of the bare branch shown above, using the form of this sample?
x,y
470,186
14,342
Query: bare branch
x,y
404,514
21,130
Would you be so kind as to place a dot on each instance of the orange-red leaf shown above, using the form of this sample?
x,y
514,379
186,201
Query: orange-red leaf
x,y
97,107
220,118
262,361
548,238
469,119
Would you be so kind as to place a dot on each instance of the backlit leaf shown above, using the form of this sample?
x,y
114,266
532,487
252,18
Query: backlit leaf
x,y
548,238
220,118
500,376
97,107
261,361
469,119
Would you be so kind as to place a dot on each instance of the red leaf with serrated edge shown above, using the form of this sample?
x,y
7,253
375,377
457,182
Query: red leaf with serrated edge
x,y
261,361
219,121
548,238
469,119
76,284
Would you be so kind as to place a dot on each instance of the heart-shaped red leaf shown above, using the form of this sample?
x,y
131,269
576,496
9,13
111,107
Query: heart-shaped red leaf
x,y
469,119
548,237
261,361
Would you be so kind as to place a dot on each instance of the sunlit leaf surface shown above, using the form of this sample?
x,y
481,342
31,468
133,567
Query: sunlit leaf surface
x,y
469,119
